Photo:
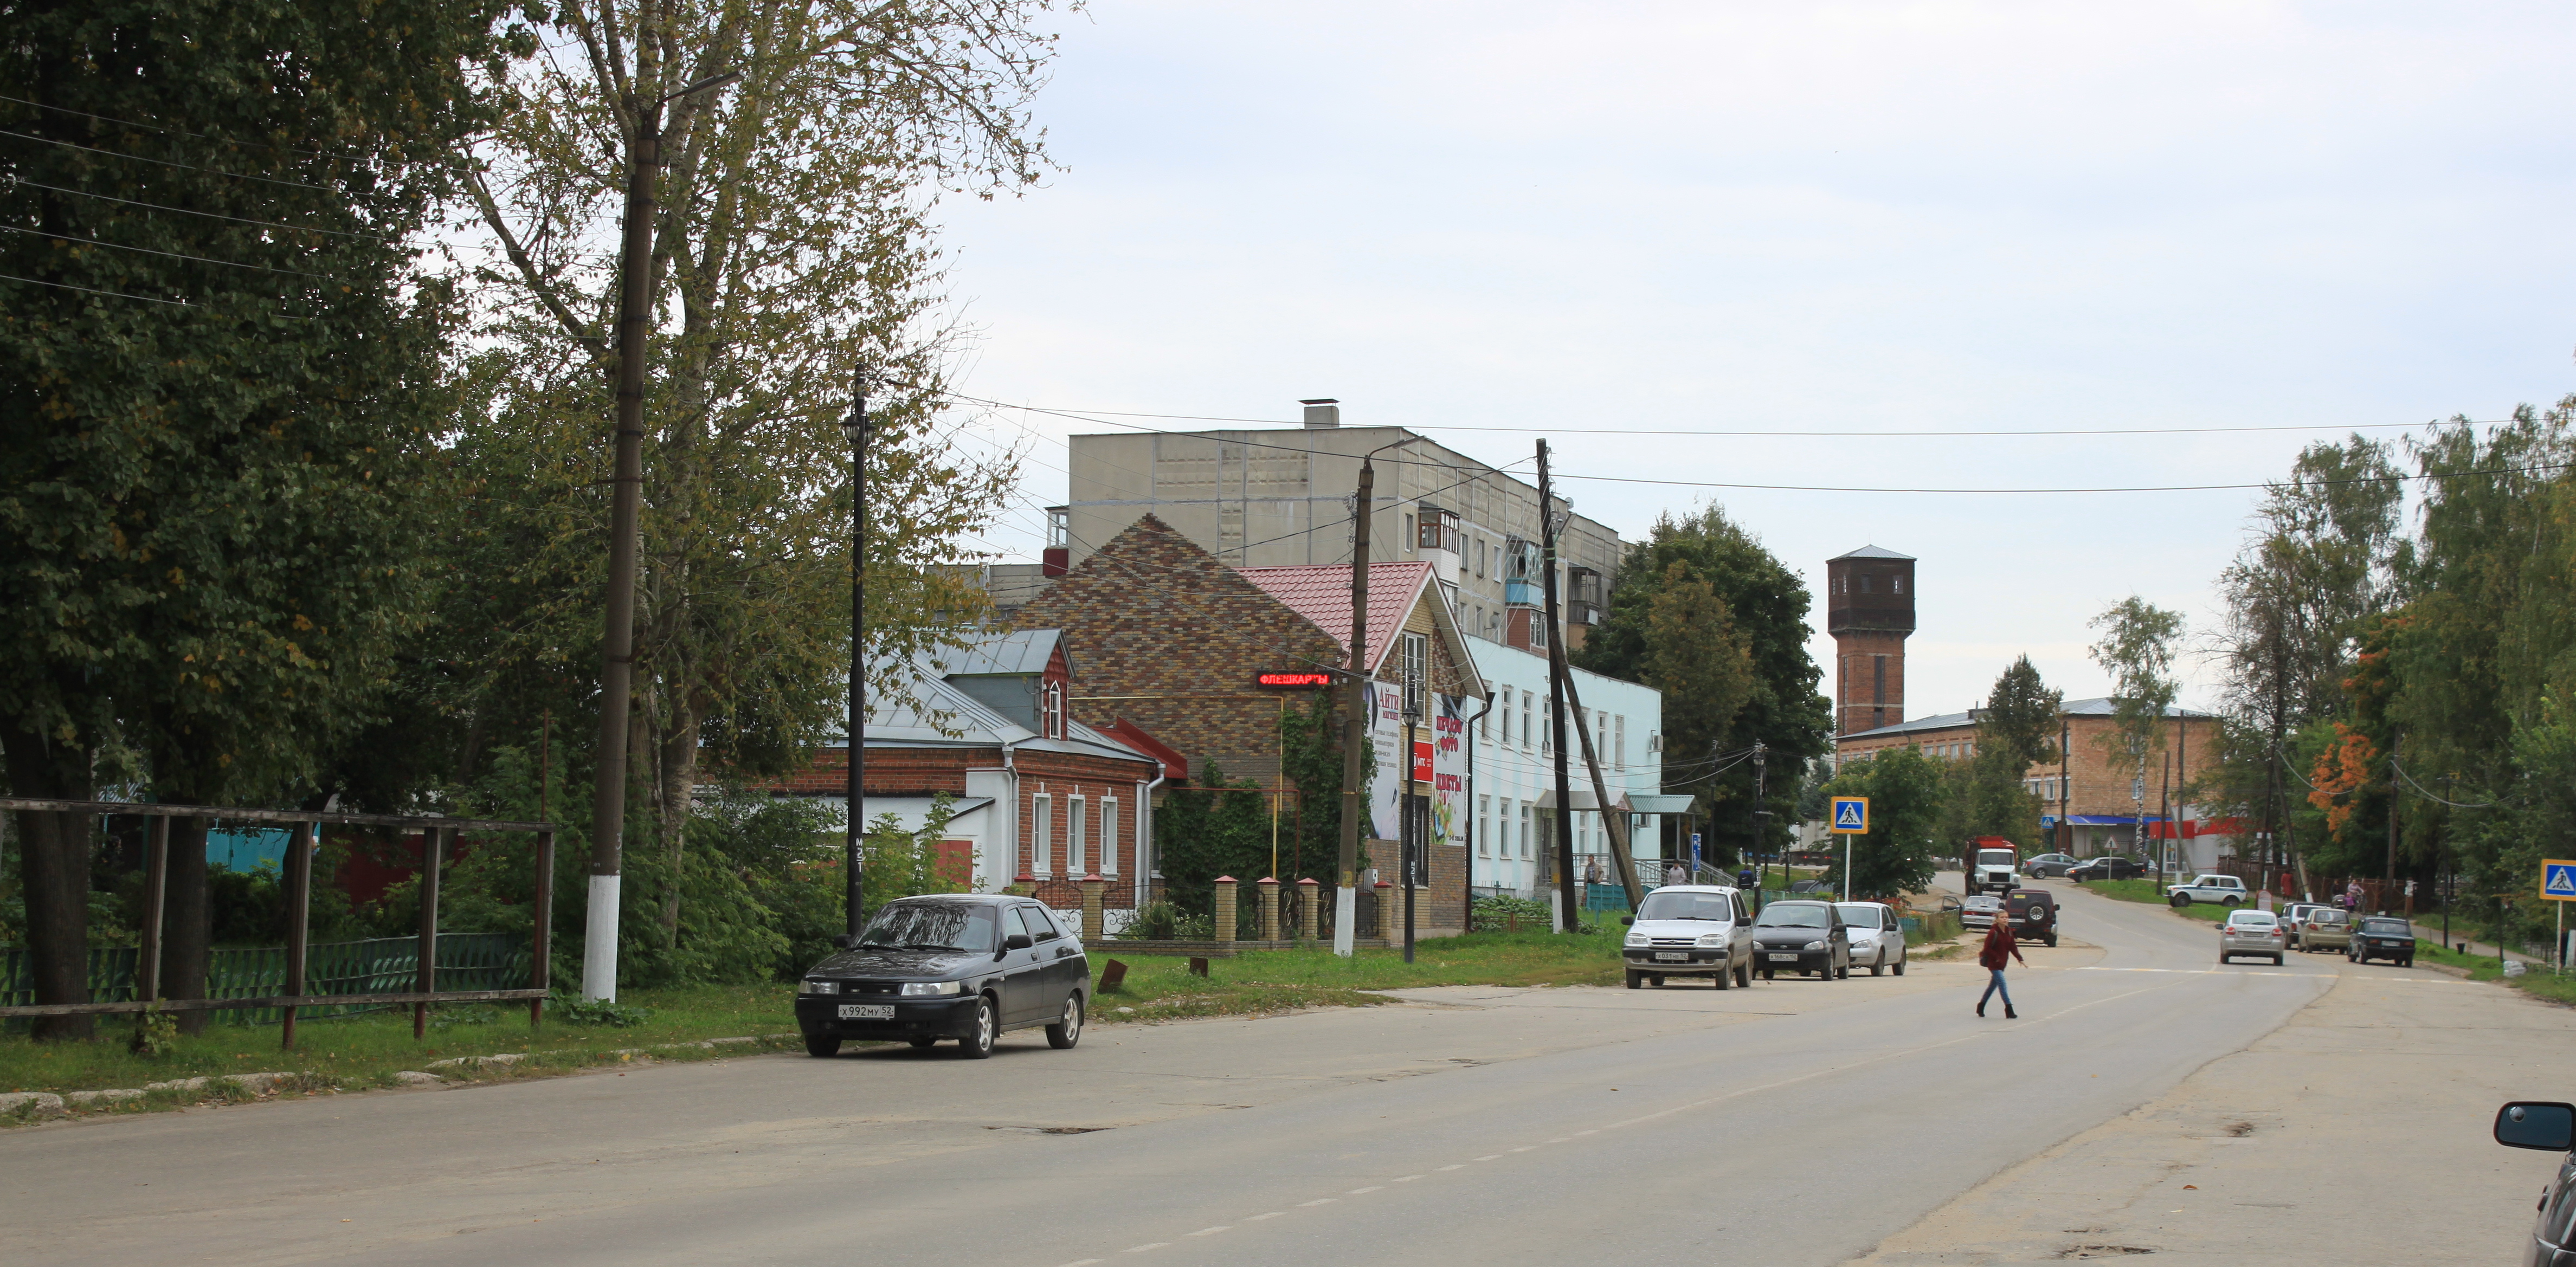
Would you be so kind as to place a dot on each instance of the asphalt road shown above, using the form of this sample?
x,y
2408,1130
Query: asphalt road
x,y
1793,1123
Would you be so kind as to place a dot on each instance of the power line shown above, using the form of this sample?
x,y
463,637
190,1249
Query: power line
x,y
86,290
2162,488
168,162
217,215
201,136
176,255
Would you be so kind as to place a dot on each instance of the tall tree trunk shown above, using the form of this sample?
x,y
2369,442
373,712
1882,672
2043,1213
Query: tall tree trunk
x,y
679,774
187,931
53,873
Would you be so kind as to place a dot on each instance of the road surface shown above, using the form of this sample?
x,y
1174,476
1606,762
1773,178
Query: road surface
x,y
1798,1122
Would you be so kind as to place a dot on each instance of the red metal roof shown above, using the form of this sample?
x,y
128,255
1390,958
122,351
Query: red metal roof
x,y
1321,592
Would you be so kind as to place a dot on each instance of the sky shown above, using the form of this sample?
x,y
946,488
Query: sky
x,y
1802,219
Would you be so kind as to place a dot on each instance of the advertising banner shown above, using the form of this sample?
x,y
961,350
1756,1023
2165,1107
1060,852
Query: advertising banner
x,y
1448,774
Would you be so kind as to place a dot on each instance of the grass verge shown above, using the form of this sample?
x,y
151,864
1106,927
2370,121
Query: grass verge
x,y
1267,981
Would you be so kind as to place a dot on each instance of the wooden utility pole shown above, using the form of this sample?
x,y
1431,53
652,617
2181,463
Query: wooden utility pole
x,y
1569,915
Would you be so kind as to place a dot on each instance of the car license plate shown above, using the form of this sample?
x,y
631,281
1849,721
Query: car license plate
x,y
1671,957
867,1011
1784,958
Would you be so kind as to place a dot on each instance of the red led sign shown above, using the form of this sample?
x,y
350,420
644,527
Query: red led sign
x,y
1296,681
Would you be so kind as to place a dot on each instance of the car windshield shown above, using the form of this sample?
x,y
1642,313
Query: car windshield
x,y
932,926
1677,904
2324,915
2387,927
2252,919
1792,915
1994,858
1984,902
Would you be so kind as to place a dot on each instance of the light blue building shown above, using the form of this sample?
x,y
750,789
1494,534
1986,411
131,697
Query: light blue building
x,y
1513,788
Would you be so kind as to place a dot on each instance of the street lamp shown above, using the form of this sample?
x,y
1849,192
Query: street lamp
x,y
856,427
1406,828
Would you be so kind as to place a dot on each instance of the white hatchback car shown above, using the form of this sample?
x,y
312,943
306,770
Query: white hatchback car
x,y
1700,930
1877,939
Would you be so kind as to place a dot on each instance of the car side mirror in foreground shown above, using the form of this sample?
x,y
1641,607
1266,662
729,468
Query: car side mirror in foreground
x,y
845,941
1627,921
2543,1124
1017,941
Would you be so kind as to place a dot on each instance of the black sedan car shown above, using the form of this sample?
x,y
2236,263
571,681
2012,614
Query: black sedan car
x,y
1801,936
2105,868
2549,1126
2379,937
964,966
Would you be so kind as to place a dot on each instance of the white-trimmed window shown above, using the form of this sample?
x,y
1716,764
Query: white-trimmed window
x,y
1619,741
1484,824
1053,722
1077,838
1042,836
1417,670
1526,730
1525,830
1108,835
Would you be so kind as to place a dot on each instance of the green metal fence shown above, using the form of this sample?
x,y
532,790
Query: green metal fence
x,y
381,965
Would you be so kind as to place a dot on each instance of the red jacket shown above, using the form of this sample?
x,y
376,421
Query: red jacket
x,y
1999,945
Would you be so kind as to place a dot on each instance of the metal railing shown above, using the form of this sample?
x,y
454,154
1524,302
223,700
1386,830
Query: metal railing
x,y
436,833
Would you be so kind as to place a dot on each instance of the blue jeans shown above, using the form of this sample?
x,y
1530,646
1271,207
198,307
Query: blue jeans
x,y
1995,987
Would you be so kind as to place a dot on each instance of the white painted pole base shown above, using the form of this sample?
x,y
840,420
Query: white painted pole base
x,y
1556,910
1346,912
599,941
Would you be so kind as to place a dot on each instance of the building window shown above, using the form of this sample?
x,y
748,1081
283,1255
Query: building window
x,y
1053,722
1077,838
1896,584
1864,583
1042,836
1108,835
1619,742
1525,830
1525,721
1412,539
1417,657
1484,823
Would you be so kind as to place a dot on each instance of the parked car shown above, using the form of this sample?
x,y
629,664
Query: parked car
x,y
1808,886
2382,937
2226,890
2320,928
2106,867
1697,930
1876,936
1993,865
1979,911
2048,864
2551,1127
2251,933
966,966
1800,936
2033,913
2293,916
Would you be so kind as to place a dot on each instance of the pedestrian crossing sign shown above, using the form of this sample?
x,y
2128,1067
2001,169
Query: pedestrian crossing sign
x,y
1851,814
2558,879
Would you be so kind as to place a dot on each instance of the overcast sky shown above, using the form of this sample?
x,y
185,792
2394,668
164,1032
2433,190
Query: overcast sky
x,y
1808,218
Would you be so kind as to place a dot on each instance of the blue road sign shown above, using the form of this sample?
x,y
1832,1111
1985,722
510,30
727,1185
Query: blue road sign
x,y
1851,814
2558,879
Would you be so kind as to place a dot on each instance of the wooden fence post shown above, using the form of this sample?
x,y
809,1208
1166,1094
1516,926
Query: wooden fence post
x,y
541,928
426,978
299,919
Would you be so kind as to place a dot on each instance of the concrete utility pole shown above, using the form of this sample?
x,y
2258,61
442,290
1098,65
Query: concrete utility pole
x,y
2065,785
617,646
1621,855
1410,846
1568,914
855,832
1355,724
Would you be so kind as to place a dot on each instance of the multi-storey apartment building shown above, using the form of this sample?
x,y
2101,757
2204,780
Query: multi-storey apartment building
x,y
1278,497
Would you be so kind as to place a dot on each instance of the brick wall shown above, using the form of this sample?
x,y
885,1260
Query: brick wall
x,y
1860,704
2101,786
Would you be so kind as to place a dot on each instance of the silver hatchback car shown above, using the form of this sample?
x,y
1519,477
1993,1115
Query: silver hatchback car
x,y
2254,934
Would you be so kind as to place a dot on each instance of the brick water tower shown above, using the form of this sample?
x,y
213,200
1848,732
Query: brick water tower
x,y
1869,610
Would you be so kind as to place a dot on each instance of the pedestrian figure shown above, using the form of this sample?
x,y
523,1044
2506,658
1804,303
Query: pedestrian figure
x,y
1998,950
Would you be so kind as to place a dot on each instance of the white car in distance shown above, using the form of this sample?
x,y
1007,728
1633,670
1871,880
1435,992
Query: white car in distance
x,y
1876,936
2253,934
2226,890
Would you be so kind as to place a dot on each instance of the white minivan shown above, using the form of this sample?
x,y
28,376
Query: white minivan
x,y
1697,930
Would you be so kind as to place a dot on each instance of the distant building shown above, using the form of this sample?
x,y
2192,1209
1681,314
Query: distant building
x,y
1278,497
1869,611
2093,804
1515,775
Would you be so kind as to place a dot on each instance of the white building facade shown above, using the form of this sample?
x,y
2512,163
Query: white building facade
x,y
1512,787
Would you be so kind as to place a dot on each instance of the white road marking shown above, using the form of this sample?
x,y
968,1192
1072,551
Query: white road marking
x,y
1524,1148
1356,1191
1211,1231
1319,1201
1457,1167
1259,1217
1082,1262
1489,1157
1404,1179
1138,1249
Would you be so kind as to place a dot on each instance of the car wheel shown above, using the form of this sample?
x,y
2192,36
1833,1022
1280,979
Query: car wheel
x,y
2231,900
1878,967
821,1045
2052,941
1900,967
2276,961
1636,979
1725,977
1067,1029
2180,899
1843,973
2222,958
1655,981
2407,962
1744,976
921,1044
988,1026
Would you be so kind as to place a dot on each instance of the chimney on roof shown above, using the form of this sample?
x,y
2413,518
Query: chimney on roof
x,y
1326,412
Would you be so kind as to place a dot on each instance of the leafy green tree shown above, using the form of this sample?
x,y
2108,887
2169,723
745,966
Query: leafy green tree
x,y
1988,792
1907,794
220,375
1218,827
1767,604
2137,650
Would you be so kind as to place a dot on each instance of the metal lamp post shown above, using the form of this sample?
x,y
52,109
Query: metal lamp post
x,y
1406,826
855,832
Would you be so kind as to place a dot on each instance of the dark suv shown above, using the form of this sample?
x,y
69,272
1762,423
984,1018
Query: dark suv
x,y
2033,913
962,966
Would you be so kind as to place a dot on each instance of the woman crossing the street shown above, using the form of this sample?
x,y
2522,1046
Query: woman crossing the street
x,y
1997,951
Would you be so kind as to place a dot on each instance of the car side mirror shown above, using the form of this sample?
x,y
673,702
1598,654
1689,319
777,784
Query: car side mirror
x,y
2543,1124
845,941
1627,921
1017,941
